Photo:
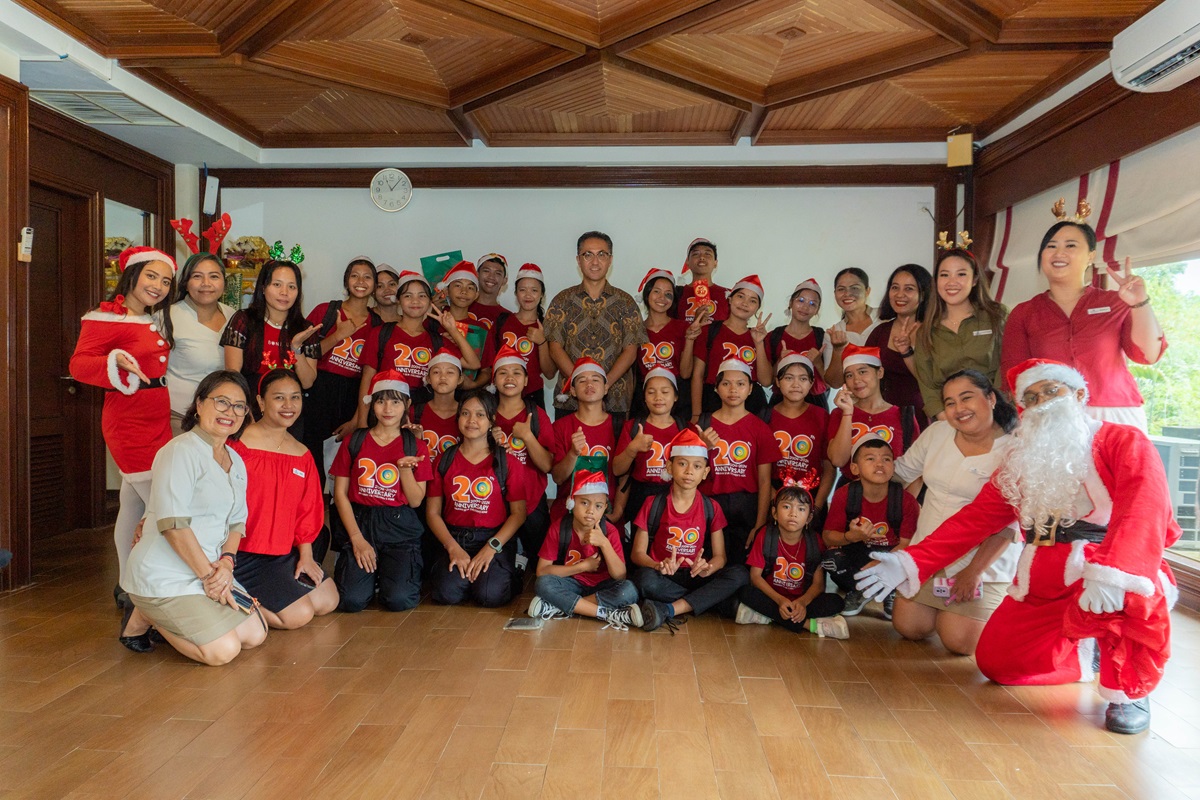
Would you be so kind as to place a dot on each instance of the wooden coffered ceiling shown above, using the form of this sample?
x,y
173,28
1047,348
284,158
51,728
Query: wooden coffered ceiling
x,y
346,73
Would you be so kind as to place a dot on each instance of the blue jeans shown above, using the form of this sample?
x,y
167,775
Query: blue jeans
x,y
564,593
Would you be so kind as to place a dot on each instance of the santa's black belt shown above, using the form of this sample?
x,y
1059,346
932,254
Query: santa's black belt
x,y
157,383
1087,531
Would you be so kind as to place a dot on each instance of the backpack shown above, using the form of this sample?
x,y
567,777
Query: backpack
x,y
659,504
329,321
775,341
812,550
385,333
499,467
895,503
908,425
338,537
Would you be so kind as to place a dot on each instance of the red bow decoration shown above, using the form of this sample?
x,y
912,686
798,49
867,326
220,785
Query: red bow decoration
x,y
115,306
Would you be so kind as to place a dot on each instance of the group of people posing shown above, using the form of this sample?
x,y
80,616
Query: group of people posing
x,y
703,460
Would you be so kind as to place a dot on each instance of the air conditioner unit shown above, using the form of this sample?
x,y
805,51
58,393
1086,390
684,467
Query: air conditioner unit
x,y
1161,50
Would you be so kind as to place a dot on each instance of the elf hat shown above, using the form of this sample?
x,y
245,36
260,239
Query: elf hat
x,y
853,355
752,283
794,358
388,381
141,255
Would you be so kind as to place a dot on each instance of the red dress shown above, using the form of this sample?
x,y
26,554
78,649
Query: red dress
x,y
136,420
283,497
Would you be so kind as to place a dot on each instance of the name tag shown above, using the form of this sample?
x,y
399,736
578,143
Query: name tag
x,y
1099,310
299,472
987,332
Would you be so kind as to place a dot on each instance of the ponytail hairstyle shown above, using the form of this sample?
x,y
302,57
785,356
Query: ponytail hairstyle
x,y
1004,414
162,310
541,306
256,314
980,298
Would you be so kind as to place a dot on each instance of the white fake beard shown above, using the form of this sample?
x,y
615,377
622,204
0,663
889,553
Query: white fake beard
x,y
1044,472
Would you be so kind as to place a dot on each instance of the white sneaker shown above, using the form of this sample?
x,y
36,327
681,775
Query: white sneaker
x,y
540,609
830,627
748,616
619,619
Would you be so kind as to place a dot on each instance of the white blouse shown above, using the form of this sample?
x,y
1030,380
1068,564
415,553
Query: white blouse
x,y
197,353
188,490
953,481
856,339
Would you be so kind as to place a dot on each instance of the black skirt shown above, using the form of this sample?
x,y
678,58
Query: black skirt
x,y
271,579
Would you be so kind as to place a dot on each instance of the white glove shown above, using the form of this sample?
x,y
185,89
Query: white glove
x,y
879,581
1101,598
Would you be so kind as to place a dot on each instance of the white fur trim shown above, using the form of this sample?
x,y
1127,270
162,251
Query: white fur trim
x,y
1086,649
1170,591
1114,695
387,386
150,255
1137,584
114,373
1048,372
109,316
1075,562
735,364
689,451
659,372
861,358
912,576
1020,586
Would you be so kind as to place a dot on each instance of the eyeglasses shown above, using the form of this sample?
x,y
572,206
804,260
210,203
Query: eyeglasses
x,y
806,302
224,404
1048,392
856,288
589,255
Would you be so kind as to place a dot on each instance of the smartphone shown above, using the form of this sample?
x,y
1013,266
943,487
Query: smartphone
x,y
305,581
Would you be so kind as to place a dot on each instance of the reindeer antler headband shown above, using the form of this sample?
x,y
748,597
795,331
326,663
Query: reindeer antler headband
x,y
1082,211
963,243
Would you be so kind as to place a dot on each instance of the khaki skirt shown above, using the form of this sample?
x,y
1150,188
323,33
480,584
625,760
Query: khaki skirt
x,y
979,609
191,616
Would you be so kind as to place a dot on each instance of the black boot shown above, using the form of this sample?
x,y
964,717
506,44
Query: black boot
x,y
138,644
1128,717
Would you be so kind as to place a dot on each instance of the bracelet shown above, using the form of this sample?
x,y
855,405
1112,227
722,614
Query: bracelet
x,y
908,353
1145,302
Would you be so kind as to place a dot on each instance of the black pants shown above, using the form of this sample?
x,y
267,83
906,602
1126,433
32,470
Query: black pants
x,y
532,533
823,605
840,563
331,401
719,590
493,588
639,493
741,512
395,533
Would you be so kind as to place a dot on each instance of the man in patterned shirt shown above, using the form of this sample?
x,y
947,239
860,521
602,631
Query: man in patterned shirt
x,y
597,320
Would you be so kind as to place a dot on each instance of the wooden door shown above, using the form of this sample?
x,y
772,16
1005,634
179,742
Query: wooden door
x,y
62,412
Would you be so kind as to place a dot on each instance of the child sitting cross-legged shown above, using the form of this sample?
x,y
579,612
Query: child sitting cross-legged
x,y
787,583
581,569
679,546
870,513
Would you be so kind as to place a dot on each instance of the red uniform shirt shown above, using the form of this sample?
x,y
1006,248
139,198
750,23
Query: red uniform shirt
x,y
514,333
283,497
343,359
791,344
472,497
407,354
886,423
882,534
439,432
578,551
725,345
484,314
788,575
801,441
600,440
374,477
664,350
741,449
678,532
545,436
649,466
688,305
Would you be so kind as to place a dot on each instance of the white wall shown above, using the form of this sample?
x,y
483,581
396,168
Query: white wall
x,y
783,234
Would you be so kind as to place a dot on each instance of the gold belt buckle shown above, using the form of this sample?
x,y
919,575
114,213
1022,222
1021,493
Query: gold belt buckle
x,y
1044,533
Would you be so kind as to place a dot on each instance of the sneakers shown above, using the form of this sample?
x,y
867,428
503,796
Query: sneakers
x,y
889,603
1128,717
830,627
855,600
655,615
540,609
620,619
748,616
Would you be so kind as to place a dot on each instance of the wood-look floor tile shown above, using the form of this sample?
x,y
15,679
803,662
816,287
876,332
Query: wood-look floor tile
x,y
630,783
514,782
632,675
967,720
945,751
771,708
630,735
492,700
746,785
977,790
796,768
677,704
547,674
466,763
428,730
805,683
867,712
733,739
848,788
718,678
585,703
837,743
575,771
907,772
685,768
593,649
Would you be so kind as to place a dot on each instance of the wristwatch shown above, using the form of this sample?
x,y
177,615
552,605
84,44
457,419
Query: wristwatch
x,y
231,556
496,544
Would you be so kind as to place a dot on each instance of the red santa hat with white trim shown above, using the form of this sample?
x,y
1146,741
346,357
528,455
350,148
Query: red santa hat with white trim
x,y
854,355
462,271
699,240
1036,370
388,381
687,444
486,257
587,482
530,270
507,356
408,276
444,356
141,255
810,284
653,275
585,365
751,282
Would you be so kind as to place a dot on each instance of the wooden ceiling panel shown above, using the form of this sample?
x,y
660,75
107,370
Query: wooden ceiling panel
x,y
971,89
338,111
261,101
1068,9
117,18
211,15
370,64
882,105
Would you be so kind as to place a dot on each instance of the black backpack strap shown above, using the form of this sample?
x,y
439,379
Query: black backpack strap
x,y
501,318
713,329
775,343
895,506
908,425
409,440
819,335
564,539
356,442
704,421
445,458
329,321
770,549
385,335
657,506
531,409
812,551
500,467
710,511
854,501
418,411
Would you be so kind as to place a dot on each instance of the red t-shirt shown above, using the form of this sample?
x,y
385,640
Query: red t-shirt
x,y
343,359
788,577
882,534
537,479
407,354
484,314
600,443
439,432
513,333
651,465
791,344
664,350
725,345
742,448
472,496
678,532
886,423
375,478
688,305
578,551
283,497
801,441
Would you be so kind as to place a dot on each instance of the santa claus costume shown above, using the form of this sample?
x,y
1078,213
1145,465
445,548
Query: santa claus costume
x,y
136,420
1092,499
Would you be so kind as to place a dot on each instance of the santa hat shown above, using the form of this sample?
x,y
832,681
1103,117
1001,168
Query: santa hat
x,y
810,284
388,268
794,358
388,381
587,482
530,270
853,355
653,275
699,240
586,364
444,356
735,364
1035,370
752,283
687,444
659,372
363,260
867,437
141,255
483,259
408,276
507,356
462,271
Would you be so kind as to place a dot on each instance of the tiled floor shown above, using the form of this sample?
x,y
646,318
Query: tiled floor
x,y
442,703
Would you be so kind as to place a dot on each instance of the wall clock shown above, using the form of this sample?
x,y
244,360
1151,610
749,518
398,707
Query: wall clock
x,y
391,189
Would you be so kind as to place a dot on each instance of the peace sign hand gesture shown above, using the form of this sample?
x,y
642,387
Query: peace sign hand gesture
x,y
759,332
1131,288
